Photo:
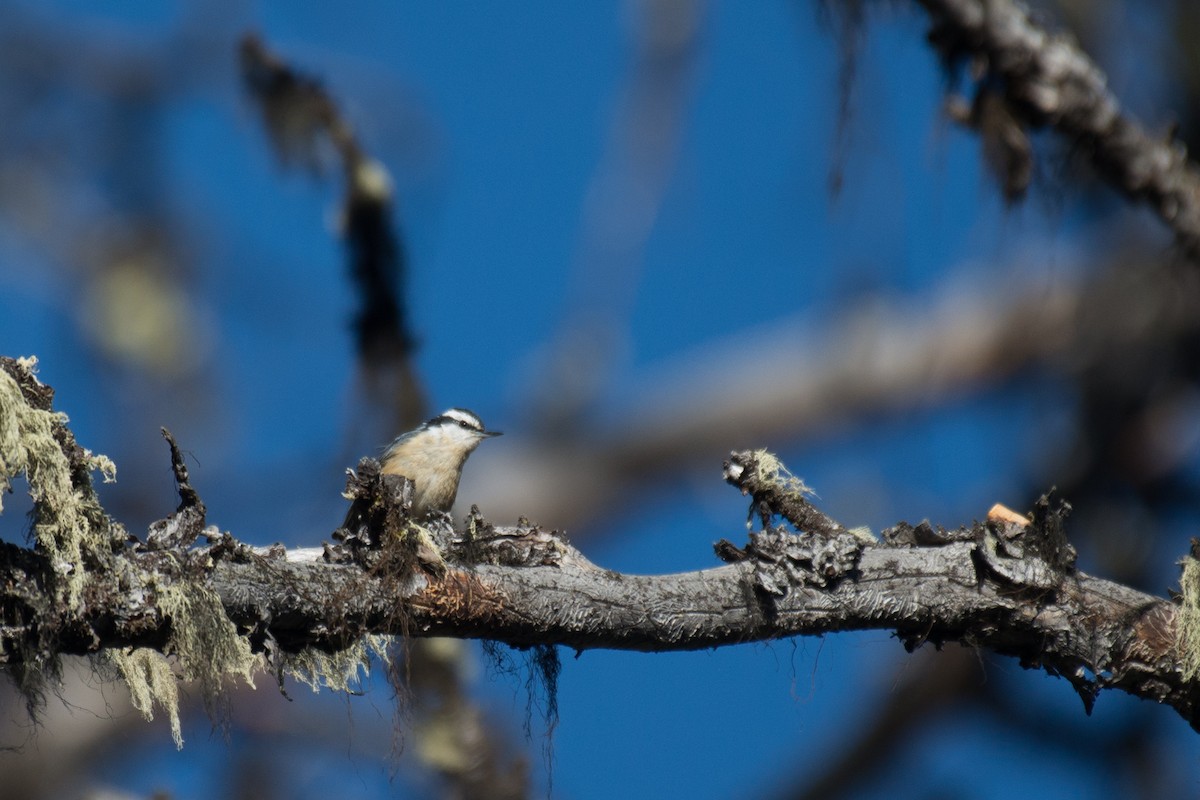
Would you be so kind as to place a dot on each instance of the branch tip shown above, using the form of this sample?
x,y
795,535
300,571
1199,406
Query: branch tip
x,y
775,491
1003,514
188,497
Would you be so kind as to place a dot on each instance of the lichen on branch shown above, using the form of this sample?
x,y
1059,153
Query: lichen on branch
x,y
194,603
69,525
84,566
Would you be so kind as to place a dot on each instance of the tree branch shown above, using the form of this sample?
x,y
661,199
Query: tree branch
x,y
1049,81
926,585
991,585
1008,584
298,111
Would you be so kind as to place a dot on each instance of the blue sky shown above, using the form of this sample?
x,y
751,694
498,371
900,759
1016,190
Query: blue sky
x,y
492,119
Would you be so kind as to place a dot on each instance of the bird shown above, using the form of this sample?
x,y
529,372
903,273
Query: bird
x,y
432,457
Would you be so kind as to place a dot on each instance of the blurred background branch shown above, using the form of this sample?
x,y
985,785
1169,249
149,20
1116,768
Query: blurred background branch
x,y
1046,80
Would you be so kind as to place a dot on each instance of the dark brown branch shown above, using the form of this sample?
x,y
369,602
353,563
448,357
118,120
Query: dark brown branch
x,y
1049,81
298,112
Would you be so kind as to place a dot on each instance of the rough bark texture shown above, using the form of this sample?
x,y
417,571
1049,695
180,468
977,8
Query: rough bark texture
x,y
1047,80
1008,584
983,586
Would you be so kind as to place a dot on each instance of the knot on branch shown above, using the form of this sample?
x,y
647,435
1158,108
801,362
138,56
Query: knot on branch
x,y
1032,553
1049,533
784,560
820,554
526,545
925,535
775,491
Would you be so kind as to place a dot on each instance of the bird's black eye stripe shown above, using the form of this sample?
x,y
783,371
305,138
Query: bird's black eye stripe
x,y
446,419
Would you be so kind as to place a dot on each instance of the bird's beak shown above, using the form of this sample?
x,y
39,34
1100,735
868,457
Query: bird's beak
x,y
489,434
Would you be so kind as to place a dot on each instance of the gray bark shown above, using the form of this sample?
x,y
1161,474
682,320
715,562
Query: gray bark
x,y
1096,633
1048,80
998,585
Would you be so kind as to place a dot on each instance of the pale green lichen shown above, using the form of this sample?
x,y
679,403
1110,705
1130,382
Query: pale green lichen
x,y
770,470
68,520
205,642
1188,618
151,681
72,530
424,545
204,647
341,671
98,462
864,534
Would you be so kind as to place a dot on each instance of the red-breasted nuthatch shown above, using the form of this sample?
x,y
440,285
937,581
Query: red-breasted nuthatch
x,y
432,457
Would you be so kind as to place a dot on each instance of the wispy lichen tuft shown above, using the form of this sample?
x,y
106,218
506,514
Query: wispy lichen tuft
x,y
341,671
1189,618
204,647
69,523
770,470
151,682
205,642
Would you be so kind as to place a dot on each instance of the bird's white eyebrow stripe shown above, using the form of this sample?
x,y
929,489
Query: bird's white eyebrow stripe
x,y
459,415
